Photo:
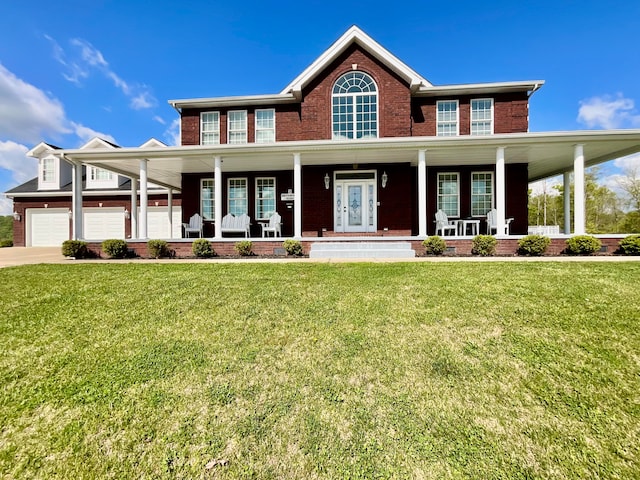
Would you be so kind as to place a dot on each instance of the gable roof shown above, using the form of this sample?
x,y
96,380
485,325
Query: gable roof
x,y
40,149
355,35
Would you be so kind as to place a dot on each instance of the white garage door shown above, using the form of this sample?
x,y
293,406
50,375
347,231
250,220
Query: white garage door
x,y
47,227
103,223
158,222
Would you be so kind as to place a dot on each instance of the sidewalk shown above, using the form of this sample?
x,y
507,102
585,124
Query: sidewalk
x,y
14,256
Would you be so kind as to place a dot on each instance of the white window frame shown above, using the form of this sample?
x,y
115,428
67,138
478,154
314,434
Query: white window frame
x,y
351,99
271,130
101,178
44,182
440,122
259,211
490,194
246,198
440,196
211,200
482,121
242,131
215,131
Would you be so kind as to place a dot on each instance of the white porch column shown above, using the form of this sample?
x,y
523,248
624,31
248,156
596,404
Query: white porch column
x,y
579,224
144,199
500,191
217,186
422,193
134,208
566,182
76,200
170,211
297,192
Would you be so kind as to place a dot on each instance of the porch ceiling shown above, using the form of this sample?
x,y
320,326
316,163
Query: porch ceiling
x,y
547,154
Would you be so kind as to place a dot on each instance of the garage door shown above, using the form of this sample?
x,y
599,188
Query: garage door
x,y
158,222
103,223
47,227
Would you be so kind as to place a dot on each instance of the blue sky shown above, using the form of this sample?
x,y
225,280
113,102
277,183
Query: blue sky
x,y
73,69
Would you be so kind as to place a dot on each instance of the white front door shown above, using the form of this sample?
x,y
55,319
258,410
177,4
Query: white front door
x,y
355,202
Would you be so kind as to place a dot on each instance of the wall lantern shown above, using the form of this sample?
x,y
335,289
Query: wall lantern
x,y
127,215
385,177
16,216
70,213
327,181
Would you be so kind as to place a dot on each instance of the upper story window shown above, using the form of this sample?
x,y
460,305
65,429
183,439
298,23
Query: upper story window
x,y
355,107
101,178
210,128
482,116
266,126
447,118
48,174
237,120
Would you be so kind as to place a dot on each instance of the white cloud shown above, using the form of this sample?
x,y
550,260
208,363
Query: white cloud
x,y
159,119
85,133
629,162
13,157
84,58
26,112
608,112
547,185
172,133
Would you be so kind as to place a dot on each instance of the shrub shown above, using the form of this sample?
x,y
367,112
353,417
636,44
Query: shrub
x,y
484,245
630,245
244,248
434,245
74,248
583,245
158,249
115,248
534,245
292,247
202,248
6,243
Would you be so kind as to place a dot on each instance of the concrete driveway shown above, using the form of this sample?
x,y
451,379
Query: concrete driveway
x,y
12,256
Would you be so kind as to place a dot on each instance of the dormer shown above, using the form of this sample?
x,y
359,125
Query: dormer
x,y
99,178
53,172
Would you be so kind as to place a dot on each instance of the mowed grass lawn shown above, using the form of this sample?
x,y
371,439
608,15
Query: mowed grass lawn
x,y
301,370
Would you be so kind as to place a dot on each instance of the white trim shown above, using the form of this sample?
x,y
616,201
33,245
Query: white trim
x,y
365,183
438,207
246,189
422,193
202,132
492,125
438,122
493,191
93,183
481,88
275,200
297,194
501,201
213,200
54,183
354,113
236,101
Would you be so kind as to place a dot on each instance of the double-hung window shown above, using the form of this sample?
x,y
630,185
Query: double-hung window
x,y
449,194
266,126
48,170
207,198
237,120
100,175
482,116
481,193
447,118
237,198
354,107
265,197
209,128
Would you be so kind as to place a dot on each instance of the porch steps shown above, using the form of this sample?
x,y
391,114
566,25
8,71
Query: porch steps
x,y
361,250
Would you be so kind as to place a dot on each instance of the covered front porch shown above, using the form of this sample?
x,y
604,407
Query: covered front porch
x,y
395,181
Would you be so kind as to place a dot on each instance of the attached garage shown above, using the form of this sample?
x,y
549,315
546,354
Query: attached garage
x,y
47,227
158,222
103,223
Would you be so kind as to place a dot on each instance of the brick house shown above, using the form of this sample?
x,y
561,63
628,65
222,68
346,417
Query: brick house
x,y
358,145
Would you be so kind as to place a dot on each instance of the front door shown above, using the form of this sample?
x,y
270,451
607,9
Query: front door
x,y
355,202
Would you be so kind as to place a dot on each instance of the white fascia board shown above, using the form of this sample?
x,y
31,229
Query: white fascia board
x,y
97,142
42,147
354,34
480,88
222,102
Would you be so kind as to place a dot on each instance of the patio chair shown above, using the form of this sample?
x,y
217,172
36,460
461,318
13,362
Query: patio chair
x,y
492,222
274,226
194,226
443,224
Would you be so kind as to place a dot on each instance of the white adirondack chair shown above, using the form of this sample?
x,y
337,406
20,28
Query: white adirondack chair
x,y
194,226
443,224
274,226
492,222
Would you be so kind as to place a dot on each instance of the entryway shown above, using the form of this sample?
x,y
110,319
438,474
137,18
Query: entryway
x,y
355,205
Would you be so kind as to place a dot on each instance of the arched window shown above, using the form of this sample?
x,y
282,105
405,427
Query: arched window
x,y
355,107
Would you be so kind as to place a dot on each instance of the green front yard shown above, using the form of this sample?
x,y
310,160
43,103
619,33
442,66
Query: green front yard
x,y
299,370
